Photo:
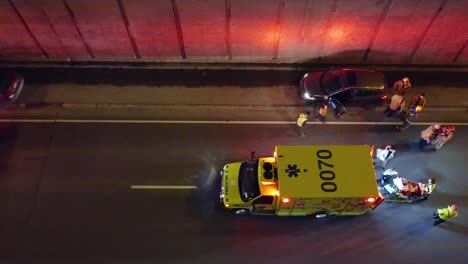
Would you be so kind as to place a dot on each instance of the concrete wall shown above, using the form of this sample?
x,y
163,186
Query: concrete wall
x,y
236,31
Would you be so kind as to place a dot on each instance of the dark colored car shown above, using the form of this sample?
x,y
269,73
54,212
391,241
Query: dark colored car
x,y
342,87
11,84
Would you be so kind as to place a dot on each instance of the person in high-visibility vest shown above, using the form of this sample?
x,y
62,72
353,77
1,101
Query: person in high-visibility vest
x,y
445,214
301,122
427,188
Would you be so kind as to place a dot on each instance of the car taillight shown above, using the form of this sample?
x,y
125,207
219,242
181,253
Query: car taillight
x,y
374,201
383,97
285,200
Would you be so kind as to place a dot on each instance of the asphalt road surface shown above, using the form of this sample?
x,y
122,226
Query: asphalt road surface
x,y
66,197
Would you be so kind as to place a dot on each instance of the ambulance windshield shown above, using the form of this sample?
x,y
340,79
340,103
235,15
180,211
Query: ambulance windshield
x,y
248,180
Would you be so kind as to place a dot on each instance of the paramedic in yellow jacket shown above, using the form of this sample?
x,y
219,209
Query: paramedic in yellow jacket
x,y
301,121
427,188
445,214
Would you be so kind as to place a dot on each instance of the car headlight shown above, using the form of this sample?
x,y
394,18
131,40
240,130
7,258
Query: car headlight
x,y
221,194
221,191
307,96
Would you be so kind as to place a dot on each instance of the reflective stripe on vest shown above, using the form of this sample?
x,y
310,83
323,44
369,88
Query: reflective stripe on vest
x,y
302,118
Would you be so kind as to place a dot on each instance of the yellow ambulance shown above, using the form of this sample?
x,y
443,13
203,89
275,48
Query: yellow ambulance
x,y
303,180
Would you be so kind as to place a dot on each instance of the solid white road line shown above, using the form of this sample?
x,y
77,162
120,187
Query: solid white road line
x,y
163,187
259,122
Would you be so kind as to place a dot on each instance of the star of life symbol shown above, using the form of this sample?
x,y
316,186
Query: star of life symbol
x,y
293,170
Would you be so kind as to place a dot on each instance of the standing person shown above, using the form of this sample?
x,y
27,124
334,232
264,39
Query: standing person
x,y
418,100
428,135
322,113
402,86
410,117
396,103
445,214
384,155
443,136
301,121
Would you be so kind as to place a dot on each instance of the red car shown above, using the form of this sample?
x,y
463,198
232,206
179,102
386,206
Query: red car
x,y
11,84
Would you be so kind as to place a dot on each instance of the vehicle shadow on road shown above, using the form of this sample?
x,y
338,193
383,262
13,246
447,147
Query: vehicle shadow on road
x,y
454,227
423,226
420,227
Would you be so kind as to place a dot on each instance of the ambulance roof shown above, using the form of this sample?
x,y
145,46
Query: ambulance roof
x,y
315,171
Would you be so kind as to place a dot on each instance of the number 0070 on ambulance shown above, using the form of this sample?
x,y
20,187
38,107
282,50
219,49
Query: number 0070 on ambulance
x,y
303,180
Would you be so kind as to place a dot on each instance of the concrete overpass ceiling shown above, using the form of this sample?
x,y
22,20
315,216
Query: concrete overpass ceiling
x,y
154,28
303,29
447,36
103,28
15,42
65,29
350,30
203,25
236,31
253,29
